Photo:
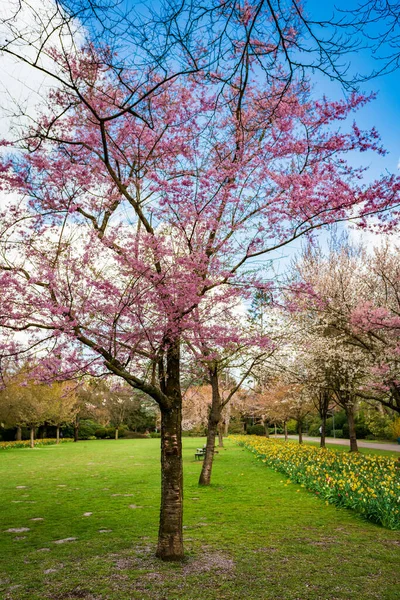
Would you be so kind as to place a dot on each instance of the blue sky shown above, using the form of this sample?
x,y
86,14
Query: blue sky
x,y
384,112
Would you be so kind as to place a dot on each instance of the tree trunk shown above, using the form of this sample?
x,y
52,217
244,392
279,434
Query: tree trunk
x,y
323,401
323,435
275,429
214,418
170,533
76,429
300,429
116,433
352,428
221,435
58,434
18,435
285,430
227,419
266,428
32,444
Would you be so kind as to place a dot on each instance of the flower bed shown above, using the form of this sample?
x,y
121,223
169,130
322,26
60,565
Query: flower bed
x,y
38,443
368,484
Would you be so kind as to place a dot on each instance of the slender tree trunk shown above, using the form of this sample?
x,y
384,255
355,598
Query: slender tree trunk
x,y
32,444
285,430
323,410
221,435
205,475
300,429
170,534
323,432
214,418
116,433
76,429
352,428
266,428
227,418
18,435
275,429
58,434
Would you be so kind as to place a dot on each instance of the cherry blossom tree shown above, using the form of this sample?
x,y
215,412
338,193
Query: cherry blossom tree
x,y
135,210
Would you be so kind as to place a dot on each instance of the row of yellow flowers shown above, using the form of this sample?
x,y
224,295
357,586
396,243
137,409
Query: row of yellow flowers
x,y
368,484
26,443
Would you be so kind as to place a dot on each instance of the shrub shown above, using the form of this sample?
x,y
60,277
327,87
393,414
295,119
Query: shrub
x,y
396,428
155,434
101,433
291,427
361,430
256,430
313,430
88,428
339,433
235,426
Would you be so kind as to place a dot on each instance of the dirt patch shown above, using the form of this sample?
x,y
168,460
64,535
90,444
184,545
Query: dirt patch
x,y
210,561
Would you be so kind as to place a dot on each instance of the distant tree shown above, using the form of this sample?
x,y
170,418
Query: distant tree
x,y
63,405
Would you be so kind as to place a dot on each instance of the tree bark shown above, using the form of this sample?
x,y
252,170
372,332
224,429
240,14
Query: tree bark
x,y
32,442
275,429
323,402
18,435
214,418
58,434
227,419
76,429
323,434
221,435
116,433
266,428
285,430
352,428
300,429
170,534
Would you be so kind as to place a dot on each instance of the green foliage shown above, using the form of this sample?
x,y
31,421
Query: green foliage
x,y
380,425
235,426
88,428
291,427
339,433
101,433
361,430
256,430
155,434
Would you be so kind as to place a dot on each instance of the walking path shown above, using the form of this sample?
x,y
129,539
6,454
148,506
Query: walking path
x,y
362,443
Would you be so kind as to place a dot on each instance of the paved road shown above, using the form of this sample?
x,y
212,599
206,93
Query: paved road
x,y
342,442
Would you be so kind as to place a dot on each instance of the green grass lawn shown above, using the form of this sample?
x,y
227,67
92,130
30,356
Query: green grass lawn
x,y
248,536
